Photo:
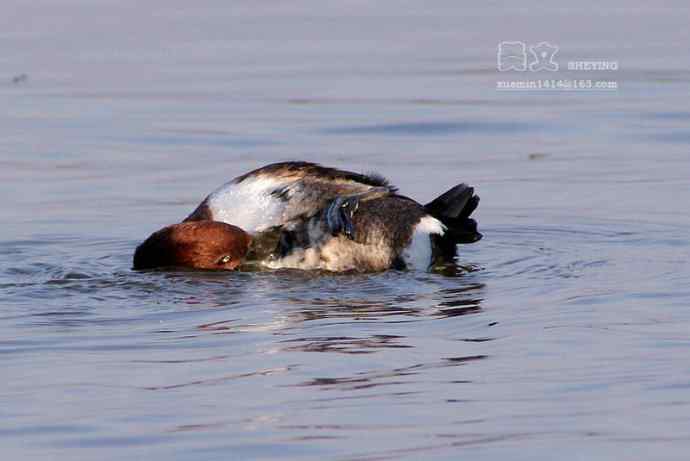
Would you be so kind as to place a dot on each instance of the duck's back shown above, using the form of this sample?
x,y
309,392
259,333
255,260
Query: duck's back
x,y
279,193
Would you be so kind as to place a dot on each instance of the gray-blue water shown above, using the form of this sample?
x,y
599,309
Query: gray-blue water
x,y
568,338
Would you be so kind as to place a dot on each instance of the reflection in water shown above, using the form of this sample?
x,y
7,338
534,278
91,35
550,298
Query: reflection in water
x,y
217,380
366,380
427,295
345,344
460,301
431,297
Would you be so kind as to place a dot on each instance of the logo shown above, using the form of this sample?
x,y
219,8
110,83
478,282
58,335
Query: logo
x,y
513,56
543,57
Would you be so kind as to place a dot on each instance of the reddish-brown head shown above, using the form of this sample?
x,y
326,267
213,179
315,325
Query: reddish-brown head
x,y
198,244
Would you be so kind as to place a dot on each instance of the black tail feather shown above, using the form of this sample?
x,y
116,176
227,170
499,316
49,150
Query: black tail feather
x,y
463,230
454,208
472,205
451,203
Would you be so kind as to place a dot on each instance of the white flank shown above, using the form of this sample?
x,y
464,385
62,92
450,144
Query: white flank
x,y
417,255
249,204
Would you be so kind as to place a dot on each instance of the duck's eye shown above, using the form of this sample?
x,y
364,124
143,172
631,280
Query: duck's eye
x,y
224,260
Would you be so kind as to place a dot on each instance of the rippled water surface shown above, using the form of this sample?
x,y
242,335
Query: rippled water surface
x,y
564,334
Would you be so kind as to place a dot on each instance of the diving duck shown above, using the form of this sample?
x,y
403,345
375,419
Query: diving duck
x,y
306,216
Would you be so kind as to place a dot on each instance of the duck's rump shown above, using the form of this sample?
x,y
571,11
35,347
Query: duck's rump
x,y
391,231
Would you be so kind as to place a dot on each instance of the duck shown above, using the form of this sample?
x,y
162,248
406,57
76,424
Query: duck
x,y
302,215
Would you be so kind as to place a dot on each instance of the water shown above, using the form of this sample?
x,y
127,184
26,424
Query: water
x,y
566,336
